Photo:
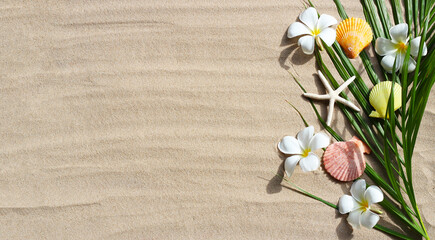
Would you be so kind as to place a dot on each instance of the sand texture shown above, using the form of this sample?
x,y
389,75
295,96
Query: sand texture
x,y
159,120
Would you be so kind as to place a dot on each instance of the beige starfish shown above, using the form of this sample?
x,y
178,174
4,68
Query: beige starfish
x,y
333,96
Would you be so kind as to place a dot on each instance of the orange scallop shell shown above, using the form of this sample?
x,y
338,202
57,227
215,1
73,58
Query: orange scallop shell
x,y
353,35
345,160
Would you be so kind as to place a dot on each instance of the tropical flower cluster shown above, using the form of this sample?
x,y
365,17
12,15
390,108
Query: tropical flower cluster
x,y
302,150
314,29
400,45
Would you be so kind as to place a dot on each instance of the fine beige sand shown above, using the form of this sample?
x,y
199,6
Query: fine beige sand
x,y
159,120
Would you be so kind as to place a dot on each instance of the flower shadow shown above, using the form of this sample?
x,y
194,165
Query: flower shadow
x,y
274,185
292,51
344,230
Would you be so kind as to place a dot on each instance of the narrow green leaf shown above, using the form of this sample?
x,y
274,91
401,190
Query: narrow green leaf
x,y
397,11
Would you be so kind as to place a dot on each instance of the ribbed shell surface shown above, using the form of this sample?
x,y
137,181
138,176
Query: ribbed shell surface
x,y
353,35
344,161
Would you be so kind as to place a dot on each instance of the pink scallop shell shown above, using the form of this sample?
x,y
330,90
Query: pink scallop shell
x,y
345,160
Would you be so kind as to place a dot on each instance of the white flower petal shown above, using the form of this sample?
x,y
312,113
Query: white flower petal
x,y
384,46
415,45
358,189
307,44
399,61
297,29
320,140
289,145
309,17
310,163
328,36
400,58
354,218
304,136
399,33
369,219
387,63
346,204
373,194
325,21
290,164
411,65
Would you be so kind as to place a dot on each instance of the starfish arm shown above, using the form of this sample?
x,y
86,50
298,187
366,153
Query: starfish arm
x,y
347,103
316,96
325,82
330,112
345,84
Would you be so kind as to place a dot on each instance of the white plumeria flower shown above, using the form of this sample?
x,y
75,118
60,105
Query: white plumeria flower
x,y
302,148
315,28
359,204
397,47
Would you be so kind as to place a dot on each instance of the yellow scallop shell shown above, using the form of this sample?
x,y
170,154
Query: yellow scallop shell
x,y
353,35
380,95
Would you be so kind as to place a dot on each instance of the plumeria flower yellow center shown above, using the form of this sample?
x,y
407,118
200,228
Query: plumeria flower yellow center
x,y
306,152
315,32
302,149
394,50
359,204
364,205
314,29
401,47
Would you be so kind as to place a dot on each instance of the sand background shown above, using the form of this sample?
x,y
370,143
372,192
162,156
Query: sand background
x,y
160,119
